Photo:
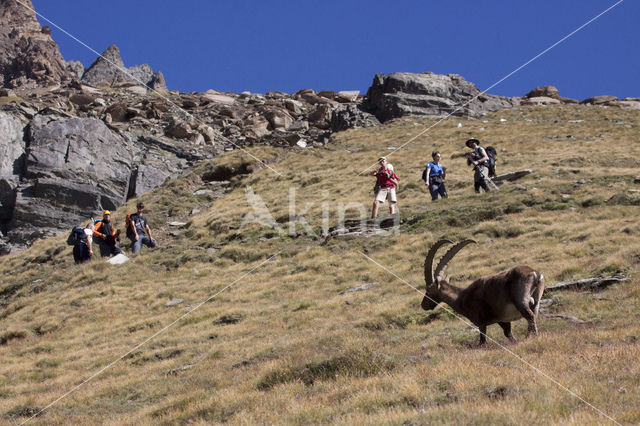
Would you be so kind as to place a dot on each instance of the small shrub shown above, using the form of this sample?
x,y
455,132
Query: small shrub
x,y
624,200
355,363
553,206
11,335
229,319
591,202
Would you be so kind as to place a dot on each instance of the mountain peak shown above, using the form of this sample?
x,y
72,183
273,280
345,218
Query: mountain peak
x,y
30,56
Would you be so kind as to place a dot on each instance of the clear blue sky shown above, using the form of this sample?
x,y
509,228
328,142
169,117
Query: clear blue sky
x,y
287,45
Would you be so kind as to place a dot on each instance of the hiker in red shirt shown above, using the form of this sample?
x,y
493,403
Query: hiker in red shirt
x,y
385,188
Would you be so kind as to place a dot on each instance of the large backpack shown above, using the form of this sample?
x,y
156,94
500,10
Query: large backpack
x,y
128,225
76,236
491,164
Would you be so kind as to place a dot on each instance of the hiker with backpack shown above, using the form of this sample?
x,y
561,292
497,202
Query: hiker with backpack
x,y
138,229
81,239
479,159
385,187
433,177
106,236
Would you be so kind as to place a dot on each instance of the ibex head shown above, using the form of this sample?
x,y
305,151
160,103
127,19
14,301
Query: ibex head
x,y
435,279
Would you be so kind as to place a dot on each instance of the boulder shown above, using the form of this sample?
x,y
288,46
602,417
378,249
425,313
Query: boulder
x,y
299,126
321,116
626,104
178,129
543,91
256,127
293,106
599,100
81,99
278,118
118,112
428,94
218,98
347,96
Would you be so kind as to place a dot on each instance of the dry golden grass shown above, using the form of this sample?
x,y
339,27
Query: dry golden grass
x,y
282,345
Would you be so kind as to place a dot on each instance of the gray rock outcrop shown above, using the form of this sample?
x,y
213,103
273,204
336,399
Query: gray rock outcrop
x,y
428,94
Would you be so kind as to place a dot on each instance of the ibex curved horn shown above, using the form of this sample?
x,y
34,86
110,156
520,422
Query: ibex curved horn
x,y
428,261
448,256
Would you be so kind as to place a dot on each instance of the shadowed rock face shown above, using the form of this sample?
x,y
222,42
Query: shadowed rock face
x,y
428,94
28,55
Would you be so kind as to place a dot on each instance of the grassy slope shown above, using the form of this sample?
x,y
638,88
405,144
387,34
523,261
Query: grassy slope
x,y
283,346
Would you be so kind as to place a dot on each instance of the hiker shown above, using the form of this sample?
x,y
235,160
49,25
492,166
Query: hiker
x,y
82,239
106,236
386,185
138,230
479,159
433,177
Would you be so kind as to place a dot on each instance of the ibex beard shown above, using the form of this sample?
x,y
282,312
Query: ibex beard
x,y
500,298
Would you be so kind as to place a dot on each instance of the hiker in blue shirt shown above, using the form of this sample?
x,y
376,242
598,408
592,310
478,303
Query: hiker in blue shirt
x,y
434,177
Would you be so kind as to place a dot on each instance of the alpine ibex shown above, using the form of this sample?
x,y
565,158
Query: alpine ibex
x,y
500,298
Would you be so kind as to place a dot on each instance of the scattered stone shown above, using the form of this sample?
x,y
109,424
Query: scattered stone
x,y
178,224
359,288
569,318
174,302
175,371
204,192
118,259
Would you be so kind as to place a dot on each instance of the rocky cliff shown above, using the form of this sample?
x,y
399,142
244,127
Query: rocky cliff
x,y
28,55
